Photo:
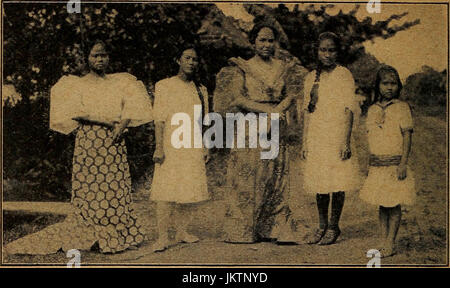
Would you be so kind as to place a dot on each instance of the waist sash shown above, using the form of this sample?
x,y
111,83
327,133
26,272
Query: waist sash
x,y
384,160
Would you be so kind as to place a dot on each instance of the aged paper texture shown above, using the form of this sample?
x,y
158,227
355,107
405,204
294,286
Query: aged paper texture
x,y
225,133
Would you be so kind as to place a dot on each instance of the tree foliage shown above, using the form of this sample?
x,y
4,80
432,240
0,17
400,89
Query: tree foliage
x,y
428,87
42,42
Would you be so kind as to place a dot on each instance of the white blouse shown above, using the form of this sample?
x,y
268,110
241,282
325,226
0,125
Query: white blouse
x,y
113,98
385,126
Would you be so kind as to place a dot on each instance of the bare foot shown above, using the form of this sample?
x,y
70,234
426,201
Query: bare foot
x,y
388,250
160,245
184,237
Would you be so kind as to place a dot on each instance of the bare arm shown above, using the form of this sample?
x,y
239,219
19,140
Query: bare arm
x,y
119,128
348,126
406,146
253,106
158,156
86,119
305,134
345,150
405,154
285,104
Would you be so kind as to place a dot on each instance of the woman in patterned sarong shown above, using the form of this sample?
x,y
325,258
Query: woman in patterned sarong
x,y
258,190
97,107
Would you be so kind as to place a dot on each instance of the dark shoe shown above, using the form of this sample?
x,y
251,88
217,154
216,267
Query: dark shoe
x,y
316,236
330,237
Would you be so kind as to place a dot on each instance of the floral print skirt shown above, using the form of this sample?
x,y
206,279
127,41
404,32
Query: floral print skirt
x,y
257,196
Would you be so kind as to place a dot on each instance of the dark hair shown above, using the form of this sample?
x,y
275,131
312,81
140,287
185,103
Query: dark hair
x,y
196,80
383,70
88,47
257,27
314,90
184,47
329,36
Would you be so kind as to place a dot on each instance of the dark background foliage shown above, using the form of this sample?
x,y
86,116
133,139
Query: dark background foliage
x,y
42,42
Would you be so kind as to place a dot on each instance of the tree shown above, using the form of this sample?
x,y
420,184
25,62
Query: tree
x,y
42,42
427,87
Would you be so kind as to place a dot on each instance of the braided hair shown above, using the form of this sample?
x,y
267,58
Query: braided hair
x,y
195,79
314,93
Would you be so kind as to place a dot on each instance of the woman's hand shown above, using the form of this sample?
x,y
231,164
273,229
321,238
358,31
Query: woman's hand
x,y
117,132
401,171
81,117
158,156
206,155
303,154
345,152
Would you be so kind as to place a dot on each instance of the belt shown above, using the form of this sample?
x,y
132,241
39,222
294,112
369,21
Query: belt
x,y
384,160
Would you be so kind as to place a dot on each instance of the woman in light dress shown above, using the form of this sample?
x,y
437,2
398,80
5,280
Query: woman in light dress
x,y
329,166
179,180
98,107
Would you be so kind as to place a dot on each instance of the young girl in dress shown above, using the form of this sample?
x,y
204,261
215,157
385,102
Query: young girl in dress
x,y
328,163
180,175
390,182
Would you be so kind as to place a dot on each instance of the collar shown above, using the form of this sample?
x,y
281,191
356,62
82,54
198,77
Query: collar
x,y
386,105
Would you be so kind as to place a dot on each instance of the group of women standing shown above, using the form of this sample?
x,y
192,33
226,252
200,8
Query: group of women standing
x,y
99,107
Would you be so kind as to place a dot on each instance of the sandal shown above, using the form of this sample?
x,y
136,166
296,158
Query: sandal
x,y
330,237
316,236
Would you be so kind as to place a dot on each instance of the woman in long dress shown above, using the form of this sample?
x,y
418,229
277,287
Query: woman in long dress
x,y
257,190
97,107
179,181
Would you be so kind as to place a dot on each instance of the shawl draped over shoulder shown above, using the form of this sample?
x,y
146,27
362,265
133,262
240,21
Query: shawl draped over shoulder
x,y
230,83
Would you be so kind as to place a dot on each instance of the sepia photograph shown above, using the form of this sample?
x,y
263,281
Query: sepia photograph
x,y
224,134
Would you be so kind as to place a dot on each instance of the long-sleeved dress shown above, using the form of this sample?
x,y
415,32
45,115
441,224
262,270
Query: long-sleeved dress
x,y
257,191
101,182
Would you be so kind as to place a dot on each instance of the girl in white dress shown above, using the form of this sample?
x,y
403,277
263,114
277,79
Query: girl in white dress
x,y
390,182
328,166
180,175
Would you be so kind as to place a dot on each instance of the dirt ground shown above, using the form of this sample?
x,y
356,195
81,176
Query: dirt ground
x,y
422,238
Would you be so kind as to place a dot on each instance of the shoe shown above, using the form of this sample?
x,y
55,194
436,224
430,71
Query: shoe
x,y
316,236
330,237
185,237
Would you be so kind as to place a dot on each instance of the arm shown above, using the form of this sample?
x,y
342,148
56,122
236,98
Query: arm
x,y
345,150
304,152
405,154
285,104
86,119
158,156
253,106
119,127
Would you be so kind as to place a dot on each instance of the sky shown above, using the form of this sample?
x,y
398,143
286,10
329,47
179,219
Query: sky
x,y
423,44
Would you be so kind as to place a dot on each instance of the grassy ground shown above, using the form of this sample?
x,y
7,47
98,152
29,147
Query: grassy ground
x,y
422,238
